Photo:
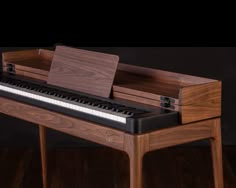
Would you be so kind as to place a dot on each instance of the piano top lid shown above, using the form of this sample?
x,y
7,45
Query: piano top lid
x,y
83,70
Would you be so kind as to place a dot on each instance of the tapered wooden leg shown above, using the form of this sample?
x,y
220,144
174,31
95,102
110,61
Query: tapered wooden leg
x,y
136,147
43,150
136,164
216,148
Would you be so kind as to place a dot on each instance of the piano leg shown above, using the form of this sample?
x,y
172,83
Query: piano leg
x,y
136,147
216,148
43,150
136,172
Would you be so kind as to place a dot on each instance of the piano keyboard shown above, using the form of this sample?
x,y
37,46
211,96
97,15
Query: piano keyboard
x,y
101,110
81,108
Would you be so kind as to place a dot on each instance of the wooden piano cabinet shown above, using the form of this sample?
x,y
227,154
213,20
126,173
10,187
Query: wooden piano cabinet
x,y
198,101
195,98
136,146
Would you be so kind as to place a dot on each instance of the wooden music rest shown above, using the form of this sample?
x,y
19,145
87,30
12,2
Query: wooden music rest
x,y
197,99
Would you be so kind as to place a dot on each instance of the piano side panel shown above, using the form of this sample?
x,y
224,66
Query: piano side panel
x,y
69,125
200,93
201,102
200,111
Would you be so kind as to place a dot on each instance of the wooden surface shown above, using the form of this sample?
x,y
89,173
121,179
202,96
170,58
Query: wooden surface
x,y
30,63
216,149
139,85
143,100
136,147
43,149
38,60
204,92
198,111
69,125
181,134
195,98
178,167
200,93
39,77
82,70
182,80
201,102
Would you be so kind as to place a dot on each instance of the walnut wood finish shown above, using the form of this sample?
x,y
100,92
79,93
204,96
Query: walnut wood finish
x,y
82,70
169,77
200,93
118,95
134,84
72,126
182,134
134,145
196,99
43,149
37,61
216,148
26,74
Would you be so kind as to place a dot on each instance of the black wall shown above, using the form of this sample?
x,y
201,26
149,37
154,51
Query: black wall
x,y
212,62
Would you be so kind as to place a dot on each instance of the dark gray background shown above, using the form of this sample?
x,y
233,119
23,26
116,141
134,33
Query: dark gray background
x,y
212,62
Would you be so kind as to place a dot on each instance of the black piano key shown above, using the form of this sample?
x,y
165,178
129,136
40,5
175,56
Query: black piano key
x,y
123,108
105,105
98,102
73,98
134,111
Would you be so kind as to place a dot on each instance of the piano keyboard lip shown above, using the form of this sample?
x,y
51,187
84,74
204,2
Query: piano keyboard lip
x,y
63,103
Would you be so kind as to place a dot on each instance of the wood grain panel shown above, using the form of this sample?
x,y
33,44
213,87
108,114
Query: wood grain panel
x,y
82,70
21,54
69,125
216,148
182,134
23,73
200,93
136,147
204,110
140,99
169,77
141,85
42,70
46,54
38,60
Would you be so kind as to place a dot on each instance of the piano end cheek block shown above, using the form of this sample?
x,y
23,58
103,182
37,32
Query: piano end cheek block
x,y
152,122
